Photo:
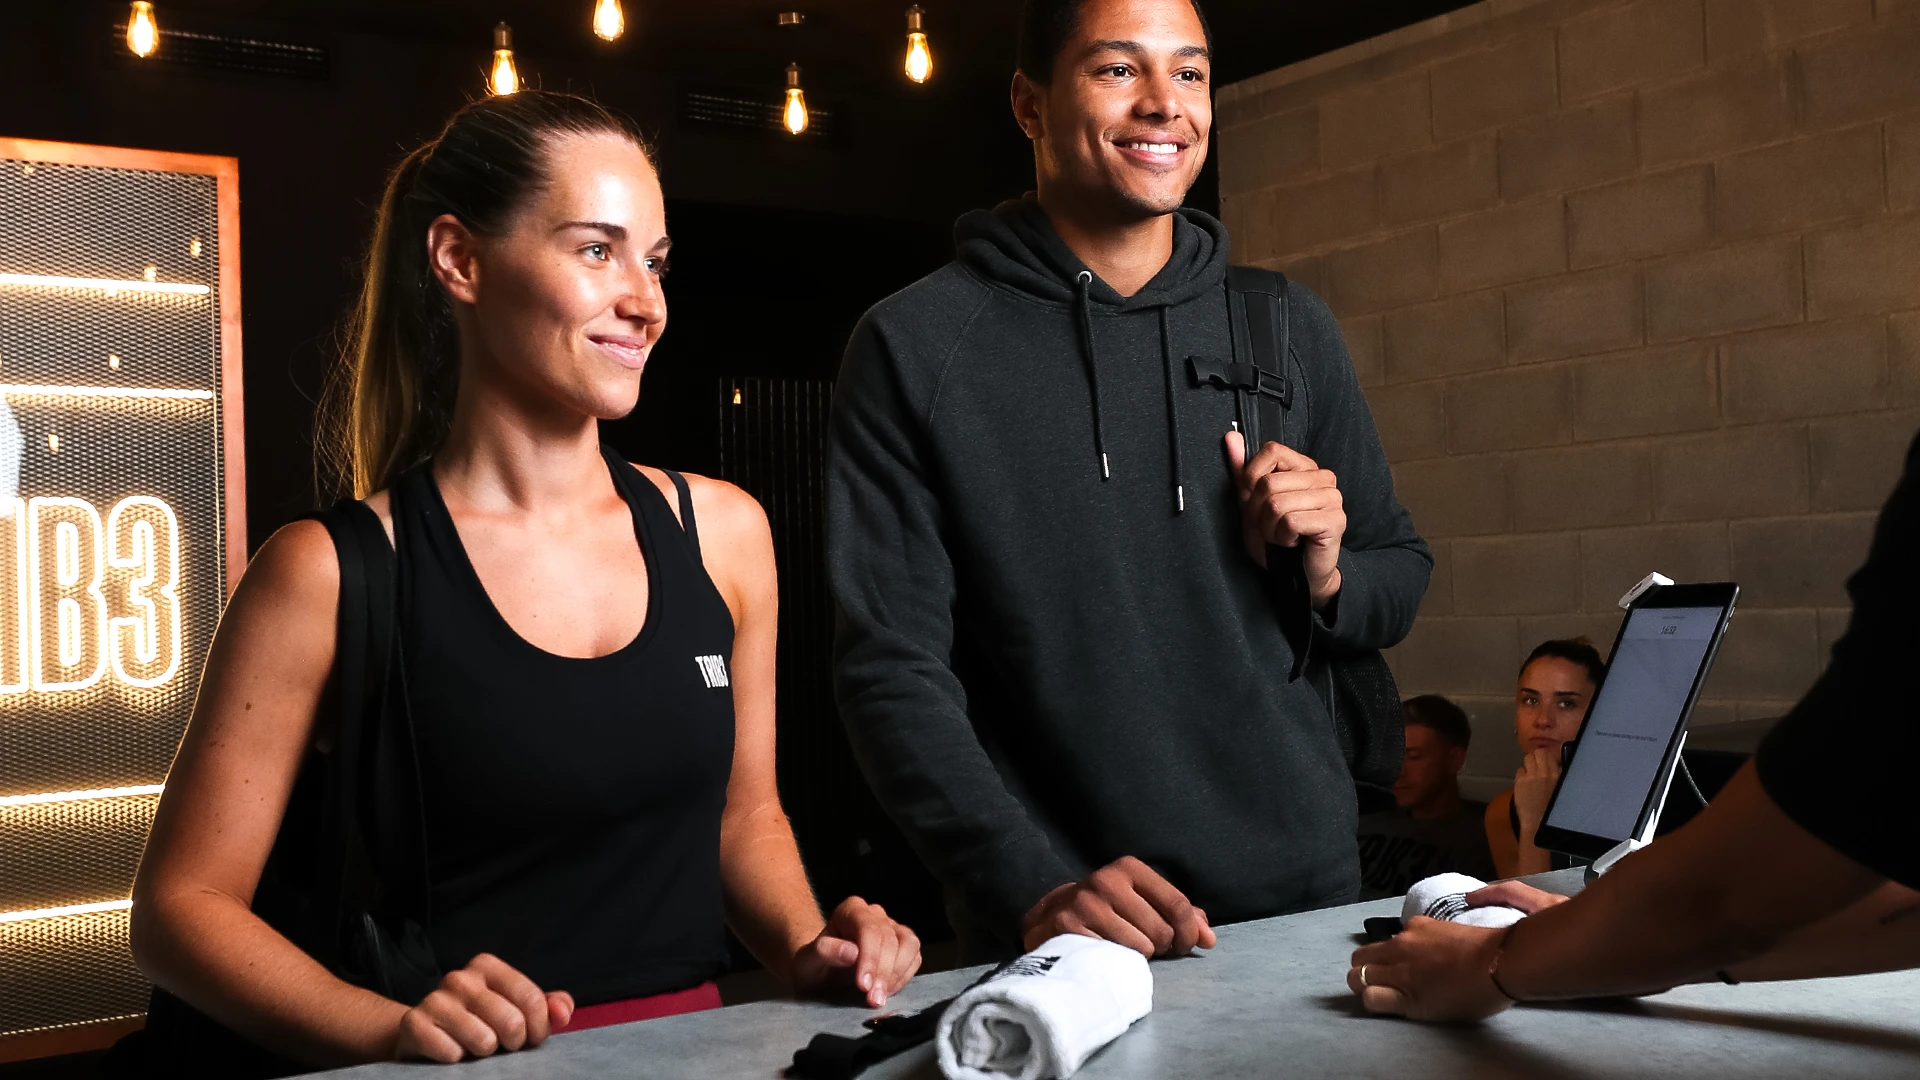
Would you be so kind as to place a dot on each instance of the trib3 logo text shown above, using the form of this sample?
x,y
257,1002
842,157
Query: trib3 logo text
x,y
81,595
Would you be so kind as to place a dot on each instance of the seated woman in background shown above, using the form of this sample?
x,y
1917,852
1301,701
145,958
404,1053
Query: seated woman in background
x,y
1556,685
588,674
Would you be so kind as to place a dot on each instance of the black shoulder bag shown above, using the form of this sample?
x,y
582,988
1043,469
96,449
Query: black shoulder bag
x,y
346,880
1359,690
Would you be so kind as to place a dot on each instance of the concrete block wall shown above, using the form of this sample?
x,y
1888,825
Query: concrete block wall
x,y
1632,285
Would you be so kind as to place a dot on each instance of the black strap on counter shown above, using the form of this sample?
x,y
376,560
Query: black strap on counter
x,y
836,1057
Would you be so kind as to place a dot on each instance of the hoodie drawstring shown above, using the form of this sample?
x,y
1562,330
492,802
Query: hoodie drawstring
x,y
1173,418
1083,307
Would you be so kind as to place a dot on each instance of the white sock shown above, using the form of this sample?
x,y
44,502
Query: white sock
x,y
1444,897
1047,1013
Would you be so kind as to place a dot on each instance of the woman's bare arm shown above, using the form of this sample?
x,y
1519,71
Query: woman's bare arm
x,y
1880,933
770,905
193,931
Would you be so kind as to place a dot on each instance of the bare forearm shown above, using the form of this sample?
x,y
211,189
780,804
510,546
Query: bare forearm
x,y
1880,933
1728,887
770,905
211,951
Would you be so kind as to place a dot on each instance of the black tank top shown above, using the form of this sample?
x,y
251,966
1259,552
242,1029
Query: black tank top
x,y
572,805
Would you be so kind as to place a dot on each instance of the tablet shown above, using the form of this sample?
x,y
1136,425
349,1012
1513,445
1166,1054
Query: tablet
x,y
1617,778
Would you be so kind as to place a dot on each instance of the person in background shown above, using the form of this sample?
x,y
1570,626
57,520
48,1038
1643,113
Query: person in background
x,y
1805,866
1555,687
588,675
1431,829
1058,658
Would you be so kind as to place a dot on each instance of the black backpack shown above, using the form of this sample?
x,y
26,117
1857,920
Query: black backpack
x,y
1355,685
346,879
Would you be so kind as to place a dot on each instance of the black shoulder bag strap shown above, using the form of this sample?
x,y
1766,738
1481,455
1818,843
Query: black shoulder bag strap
x,y
1360,695
373,828
1258,321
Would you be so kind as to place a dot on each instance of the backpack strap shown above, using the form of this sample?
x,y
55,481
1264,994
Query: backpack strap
x,y
1259,316
374,827
1259,319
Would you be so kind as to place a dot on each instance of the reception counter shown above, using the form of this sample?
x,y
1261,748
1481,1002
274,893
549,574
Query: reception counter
x,y
1271,1001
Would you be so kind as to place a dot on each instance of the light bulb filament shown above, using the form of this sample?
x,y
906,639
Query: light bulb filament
x,y
608,20
919,58
143,34
795,114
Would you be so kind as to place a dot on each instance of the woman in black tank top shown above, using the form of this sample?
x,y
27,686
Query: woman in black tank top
x,y
585,651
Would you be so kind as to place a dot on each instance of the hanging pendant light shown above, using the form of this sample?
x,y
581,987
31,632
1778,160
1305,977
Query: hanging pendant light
x,y
505,78
143,33
609,22
919,57
794,116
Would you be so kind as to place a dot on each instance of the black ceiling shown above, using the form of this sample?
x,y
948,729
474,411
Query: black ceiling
x,y
846,46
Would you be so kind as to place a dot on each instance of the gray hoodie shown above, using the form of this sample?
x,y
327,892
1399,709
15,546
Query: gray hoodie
x,y
1053,649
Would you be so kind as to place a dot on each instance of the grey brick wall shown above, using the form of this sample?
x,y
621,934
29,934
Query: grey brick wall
x,y
1632,285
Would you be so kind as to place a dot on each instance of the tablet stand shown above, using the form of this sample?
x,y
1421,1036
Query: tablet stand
x,y
1634,843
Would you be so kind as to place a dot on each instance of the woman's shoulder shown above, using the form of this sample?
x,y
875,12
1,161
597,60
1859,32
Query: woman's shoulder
x,y
724,512
1497,809
296,570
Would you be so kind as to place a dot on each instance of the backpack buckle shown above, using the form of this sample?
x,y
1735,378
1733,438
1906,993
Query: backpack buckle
x,y
1250,378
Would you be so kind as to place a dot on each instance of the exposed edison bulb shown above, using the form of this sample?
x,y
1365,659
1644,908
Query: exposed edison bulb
x,y
609,21
143,34
795,115
505,78
736,395
919,57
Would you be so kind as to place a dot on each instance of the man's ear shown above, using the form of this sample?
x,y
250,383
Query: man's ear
x,y
1456,760
453,254
1029,105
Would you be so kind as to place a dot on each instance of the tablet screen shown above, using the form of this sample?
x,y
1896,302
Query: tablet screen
x,y
1634,717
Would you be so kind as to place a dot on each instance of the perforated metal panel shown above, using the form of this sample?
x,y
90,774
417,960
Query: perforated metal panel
x,y
113,553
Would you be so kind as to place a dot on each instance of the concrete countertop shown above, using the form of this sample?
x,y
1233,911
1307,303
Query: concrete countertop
x,y
1271,1001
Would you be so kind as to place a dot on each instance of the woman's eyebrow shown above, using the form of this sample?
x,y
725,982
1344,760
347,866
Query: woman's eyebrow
x,y
617,232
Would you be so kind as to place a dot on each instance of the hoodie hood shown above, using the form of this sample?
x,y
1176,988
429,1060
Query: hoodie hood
x,y
1015,245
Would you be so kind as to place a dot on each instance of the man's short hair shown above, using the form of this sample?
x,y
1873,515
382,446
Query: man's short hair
x,y
1449,721
1045,26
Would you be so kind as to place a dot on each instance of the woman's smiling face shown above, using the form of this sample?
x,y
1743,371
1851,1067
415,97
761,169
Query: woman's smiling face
x,y
566,300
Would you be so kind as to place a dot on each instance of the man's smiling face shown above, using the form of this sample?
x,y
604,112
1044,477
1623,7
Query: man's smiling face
x,y
1128,115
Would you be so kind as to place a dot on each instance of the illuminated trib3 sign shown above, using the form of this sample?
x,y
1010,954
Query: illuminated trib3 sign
x,y
122,503
89,595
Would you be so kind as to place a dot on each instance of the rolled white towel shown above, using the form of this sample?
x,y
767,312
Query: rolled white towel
x,y
1046,1014
1444,897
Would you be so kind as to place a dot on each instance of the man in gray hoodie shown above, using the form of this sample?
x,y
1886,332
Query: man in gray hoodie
x,y
1057,660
